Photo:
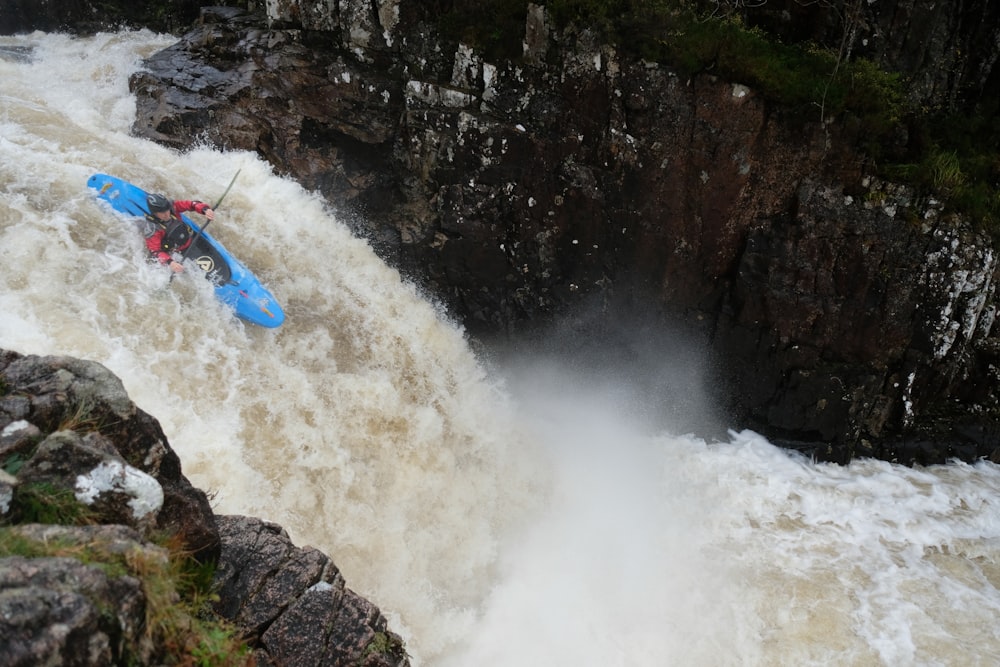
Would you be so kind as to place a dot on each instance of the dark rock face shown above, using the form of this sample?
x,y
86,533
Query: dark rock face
x,y
293,603
844,317
946,50
87,16
872,325
68,426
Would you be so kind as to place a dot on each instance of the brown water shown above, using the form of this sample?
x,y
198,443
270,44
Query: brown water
x,y
500,517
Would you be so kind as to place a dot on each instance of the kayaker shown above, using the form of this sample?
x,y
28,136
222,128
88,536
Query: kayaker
x,y
165,232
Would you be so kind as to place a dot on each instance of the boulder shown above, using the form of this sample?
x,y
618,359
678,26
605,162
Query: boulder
x,y
293,604
88,483
70,423
67,611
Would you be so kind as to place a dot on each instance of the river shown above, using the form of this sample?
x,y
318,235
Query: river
x,y
502,513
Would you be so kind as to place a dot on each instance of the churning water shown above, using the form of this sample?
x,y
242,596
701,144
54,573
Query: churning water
x,y
503,516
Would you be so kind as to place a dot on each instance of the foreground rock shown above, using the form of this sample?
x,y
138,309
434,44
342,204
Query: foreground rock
x,y
70,611
69,424
74,449
294,602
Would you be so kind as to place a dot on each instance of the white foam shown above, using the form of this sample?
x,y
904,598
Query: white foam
x,y
532,524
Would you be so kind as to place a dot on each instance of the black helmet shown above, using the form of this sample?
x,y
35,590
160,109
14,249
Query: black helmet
x,y
157,203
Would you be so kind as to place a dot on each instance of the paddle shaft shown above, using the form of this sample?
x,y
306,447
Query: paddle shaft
x,y
202,228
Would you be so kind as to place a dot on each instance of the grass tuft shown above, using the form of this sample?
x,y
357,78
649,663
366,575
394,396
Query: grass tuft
x,y
46,503
179,615
179,619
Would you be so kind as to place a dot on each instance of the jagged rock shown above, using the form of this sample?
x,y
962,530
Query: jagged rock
x,y
293,604
90,468
52,395
872,320
60,610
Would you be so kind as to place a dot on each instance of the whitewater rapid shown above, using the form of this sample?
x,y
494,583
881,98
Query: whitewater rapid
x,y
502,514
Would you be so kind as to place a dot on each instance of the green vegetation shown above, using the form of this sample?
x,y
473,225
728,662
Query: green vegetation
x,y
13,463
495,27
46,503
178,609
384,643
179,619
953,156
959,160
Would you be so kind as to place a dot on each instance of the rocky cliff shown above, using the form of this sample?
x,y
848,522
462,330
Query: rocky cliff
x,y
101,537
845,316
88,16
575,182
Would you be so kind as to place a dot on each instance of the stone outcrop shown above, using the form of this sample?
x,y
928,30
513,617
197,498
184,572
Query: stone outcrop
x,y
845,316
294,603
68,611
880,328
75,449
62,417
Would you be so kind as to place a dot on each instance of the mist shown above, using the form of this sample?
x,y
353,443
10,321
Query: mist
x,y
576,499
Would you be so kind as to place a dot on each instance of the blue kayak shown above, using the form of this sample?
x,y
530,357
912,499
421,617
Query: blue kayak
x,y
235,285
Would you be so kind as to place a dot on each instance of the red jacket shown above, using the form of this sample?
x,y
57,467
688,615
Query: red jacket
x,y
158,242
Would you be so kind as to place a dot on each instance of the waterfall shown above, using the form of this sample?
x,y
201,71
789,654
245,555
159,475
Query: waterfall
x,y
500,512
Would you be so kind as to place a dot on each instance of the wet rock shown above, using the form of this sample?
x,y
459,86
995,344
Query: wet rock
x,y
588,186
293,604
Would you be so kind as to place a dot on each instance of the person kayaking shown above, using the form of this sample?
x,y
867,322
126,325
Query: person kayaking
x,y
165,232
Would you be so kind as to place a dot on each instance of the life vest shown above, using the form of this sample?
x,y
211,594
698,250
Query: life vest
x,y
176,234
